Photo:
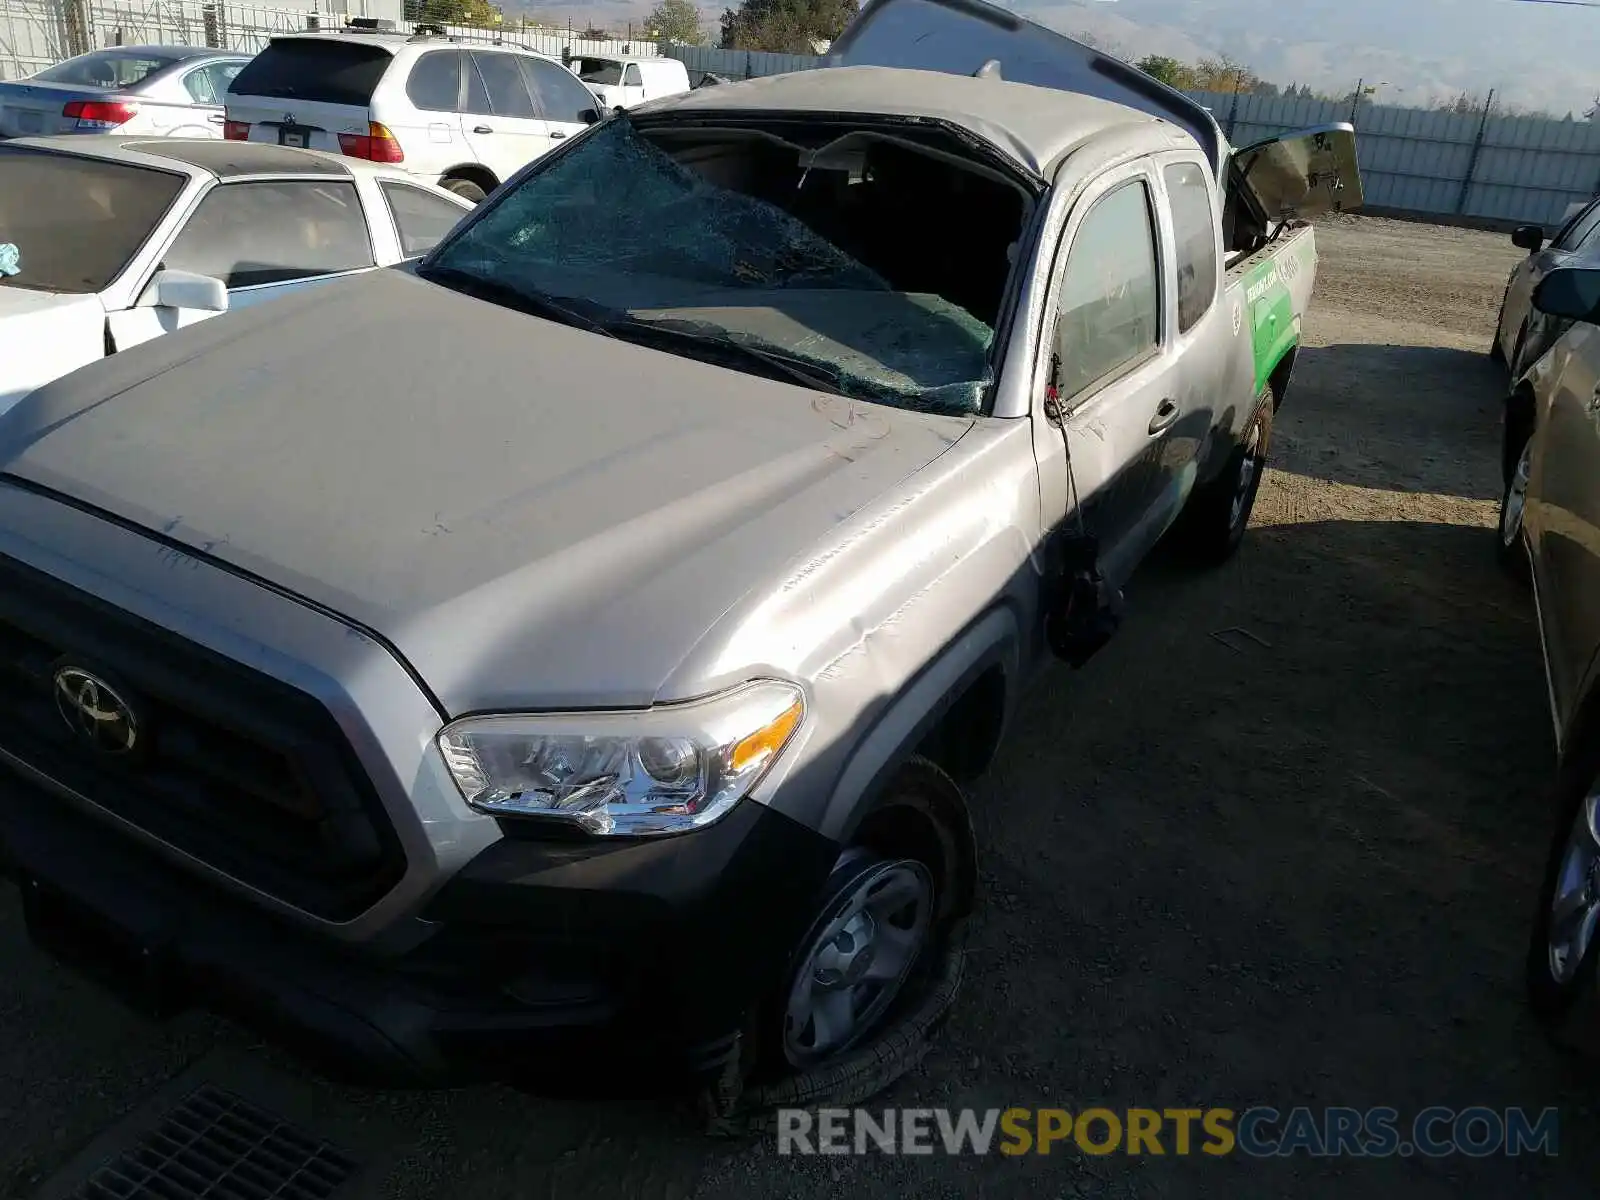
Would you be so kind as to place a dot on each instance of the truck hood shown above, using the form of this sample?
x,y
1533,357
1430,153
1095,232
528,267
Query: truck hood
x,y
534,515
44,335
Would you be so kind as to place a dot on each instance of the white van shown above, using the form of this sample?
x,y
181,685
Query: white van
x,y
463,116
620,83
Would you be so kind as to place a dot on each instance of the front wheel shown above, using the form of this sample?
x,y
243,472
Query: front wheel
x,y
878,967
1214,524
1510,548
1561,951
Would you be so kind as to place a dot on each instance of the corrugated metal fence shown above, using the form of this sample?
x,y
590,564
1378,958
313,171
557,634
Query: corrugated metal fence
x,y
1412,160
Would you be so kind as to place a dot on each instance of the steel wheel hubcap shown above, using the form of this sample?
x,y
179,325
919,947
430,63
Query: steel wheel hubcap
x,y
1248,470
1575,906
858,959
1517,497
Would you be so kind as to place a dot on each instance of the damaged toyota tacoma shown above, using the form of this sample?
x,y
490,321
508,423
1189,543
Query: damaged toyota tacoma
x,y
572,645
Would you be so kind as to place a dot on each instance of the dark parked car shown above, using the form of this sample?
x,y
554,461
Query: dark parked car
x,y
1550,532
1522,333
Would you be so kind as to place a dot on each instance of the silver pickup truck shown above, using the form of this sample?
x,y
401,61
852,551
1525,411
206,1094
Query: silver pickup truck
x,y
568,647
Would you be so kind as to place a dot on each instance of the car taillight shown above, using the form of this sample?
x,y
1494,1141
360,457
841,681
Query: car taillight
x,y
236,131
375,145
100,114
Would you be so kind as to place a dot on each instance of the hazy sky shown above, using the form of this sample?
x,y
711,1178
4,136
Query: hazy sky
x,y
1535,54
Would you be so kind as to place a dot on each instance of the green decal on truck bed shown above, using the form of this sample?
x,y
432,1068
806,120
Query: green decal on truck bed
x,y
1269,305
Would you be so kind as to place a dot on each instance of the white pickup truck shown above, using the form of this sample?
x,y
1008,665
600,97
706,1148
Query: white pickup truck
x,y
571,647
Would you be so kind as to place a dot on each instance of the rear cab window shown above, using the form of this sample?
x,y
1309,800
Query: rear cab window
x,y
99,216
1194,227
250,234
320,70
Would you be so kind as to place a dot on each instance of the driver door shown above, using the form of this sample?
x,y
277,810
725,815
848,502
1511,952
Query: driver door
x,y
1112,372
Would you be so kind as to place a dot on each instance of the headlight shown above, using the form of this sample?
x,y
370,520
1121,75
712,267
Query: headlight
x,y
661,770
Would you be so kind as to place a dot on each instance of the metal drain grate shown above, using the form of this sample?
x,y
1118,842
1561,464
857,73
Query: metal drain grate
x,y
217,1146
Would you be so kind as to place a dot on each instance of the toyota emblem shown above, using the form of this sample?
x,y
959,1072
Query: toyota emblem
x,y
94,712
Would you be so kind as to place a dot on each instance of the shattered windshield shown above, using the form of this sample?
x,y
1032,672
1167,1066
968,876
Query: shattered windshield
x,y
728,248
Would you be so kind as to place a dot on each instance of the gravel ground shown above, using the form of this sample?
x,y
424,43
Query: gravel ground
x,y
1293,870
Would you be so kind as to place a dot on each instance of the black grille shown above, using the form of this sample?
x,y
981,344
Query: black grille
x,y
243,771
217,1145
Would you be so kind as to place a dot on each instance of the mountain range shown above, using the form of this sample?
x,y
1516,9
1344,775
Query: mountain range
x,y
1535,56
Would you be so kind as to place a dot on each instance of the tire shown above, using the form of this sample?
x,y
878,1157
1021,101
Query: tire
x,y
1555,982
465,188
1214,523
918,832
1510,549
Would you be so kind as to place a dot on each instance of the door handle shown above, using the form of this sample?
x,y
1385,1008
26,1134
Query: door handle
x,y
1166,414
557,134
216,118
482,129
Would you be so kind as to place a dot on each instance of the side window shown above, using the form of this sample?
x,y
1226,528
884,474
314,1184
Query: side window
x,y
435,81
420,218
253,233
561,97
1583,229
477,101
1110,308
209,85
201,86
508,94
1195,226
631,77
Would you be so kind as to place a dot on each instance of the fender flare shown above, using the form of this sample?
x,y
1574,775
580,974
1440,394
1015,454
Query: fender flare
x,y
994,639
1288,348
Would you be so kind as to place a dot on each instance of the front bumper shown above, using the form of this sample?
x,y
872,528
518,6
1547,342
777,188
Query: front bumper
x,y
543,958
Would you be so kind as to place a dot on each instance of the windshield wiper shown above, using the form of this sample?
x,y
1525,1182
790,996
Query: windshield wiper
x,y
532,302
770,363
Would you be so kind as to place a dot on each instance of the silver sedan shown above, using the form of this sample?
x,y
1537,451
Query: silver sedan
x,y
145,91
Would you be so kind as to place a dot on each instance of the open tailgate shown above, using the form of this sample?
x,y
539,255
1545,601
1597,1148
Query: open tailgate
x,y
1301,174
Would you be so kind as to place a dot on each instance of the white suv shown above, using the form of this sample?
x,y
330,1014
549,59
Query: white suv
x,y
463,116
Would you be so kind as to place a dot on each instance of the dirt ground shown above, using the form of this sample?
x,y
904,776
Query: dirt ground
x,y
1293,870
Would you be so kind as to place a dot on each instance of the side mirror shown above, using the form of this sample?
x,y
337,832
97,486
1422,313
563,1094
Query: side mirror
x,y
185,289
589,116
1572,293
1529,238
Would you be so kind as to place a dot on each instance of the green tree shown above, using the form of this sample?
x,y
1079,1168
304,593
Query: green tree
x,y
675,21
1224,74
453,12
785,26
1168,70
